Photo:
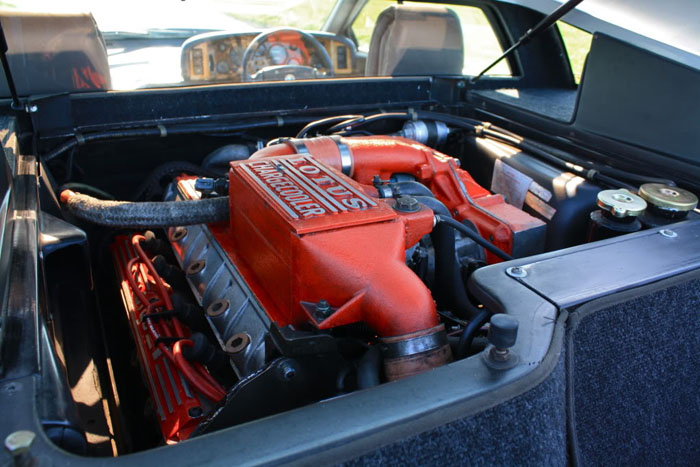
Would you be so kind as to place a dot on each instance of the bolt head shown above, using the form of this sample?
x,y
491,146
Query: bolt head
x,y
517,272
19,442
668,233
323,307
287,370
406,204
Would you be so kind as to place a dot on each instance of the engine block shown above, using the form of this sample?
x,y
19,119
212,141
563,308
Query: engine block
x,y
302,235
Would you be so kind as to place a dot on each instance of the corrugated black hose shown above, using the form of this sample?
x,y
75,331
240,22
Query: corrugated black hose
x,y
149,214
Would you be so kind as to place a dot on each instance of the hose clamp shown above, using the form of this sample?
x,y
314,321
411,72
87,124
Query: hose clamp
x,y
298,145
346,164
396,347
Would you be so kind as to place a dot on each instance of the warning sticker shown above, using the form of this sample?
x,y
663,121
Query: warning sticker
x,y
541,207
540,191
510,183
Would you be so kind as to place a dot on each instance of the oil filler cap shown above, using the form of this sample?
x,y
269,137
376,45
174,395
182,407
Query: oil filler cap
x,y
668,198
621,203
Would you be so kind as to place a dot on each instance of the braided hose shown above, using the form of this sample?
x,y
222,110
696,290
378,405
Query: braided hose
x,y
150,214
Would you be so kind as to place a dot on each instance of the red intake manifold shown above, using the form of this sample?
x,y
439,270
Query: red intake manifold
x,y
301,233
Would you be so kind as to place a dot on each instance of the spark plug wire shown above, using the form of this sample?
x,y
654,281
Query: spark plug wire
x,y
197,375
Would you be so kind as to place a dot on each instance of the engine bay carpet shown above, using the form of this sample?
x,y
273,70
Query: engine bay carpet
x,y
635,372
528,429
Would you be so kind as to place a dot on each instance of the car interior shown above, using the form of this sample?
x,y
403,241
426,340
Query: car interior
x,y
305,252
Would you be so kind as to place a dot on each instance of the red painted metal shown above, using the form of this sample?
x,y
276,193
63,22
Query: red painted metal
x,y
383,156
301,232
172,396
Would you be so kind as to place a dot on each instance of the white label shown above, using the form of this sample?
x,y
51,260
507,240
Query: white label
x,y
540,191
544,209
511,183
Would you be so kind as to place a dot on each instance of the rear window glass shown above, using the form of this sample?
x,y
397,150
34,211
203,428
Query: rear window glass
x,y
577,43
481,45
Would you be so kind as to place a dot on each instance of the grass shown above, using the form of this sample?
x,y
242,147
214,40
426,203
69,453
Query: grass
x,y
577,43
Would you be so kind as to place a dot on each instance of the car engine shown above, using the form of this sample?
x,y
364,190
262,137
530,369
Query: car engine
x,y
318,266
324,275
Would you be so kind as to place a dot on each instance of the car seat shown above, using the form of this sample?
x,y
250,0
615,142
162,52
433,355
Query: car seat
x,y
416,40
50,53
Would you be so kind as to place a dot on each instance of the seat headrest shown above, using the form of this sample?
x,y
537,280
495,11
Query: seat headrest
x,y
416,40
51,53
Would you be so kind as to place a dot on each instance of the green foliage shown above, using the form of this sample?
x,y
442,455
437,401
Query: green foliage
x,y
577,43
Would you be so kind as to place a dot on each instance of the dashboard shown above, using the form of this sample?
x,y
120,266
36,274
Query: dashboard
x,y
219,56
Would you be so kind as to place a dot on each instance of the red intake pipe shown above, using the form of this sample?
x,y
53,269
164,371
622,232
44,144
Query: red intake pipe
x,y
363,158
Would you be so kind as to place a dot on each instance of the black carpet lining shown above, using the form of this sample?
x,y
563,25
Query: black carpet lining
x,y
625,390
559,104
636,379
529,429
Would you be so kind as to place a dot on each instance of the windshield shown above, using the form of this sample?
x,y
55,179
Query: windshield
x,y
144,15
144,39
80,45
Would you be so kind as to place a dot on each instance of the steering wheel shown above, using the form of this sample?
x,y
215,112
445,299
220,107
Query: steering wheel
x,y
285,72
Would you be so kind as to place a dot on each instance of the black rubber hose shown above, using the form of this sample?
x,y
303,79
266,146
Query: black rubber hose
x,y
460,122
325,121
219,159
434,204
411,188
449,286
605,174
125,214
467,337
361,121
610,171
85,188
151,183
163,131
568,157
368,368
594,172
474,236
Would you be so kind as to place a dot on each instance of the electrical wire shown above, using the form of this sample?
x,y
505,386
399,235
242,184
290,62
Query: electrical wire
x,y
595,172
195,374
473,235
467,337
161,131
324,121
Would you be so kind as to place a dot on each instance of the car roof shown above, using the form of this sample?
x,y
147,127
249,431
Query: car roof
x,y
667,28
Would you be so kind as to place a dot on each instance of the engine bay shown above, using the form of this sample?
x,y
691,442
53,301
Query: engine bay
x,y
278,272
465,249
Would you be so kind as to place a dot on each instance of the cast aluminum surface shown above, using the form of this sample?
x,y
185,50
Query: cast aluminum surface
x,y
219,281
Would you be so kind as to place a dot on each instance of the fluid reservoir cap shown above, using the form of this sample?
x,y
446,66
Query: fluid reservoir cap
x,y
621,203
668,198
